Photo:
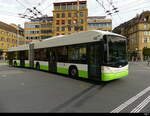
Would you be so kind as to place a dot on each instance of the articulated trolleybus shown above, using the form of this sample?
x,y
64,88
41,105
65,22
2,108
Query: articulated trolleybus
x,y
96,55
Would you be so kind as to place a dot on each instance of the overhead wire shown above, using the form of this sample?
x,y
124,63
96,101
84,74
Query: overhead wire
x,y
21,3
101,4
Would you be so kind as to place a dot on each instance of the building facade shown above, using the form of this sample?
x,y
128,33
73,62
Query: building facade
x,y
39,28
137,30
69,18
99,23
20,34
10,36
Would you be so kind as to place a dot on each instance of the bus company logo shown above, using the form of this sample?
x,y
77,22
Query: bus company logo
x,y
120,66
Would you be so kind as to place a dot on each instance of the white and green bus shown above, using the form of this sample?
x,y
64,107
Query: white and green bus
x,y
96,55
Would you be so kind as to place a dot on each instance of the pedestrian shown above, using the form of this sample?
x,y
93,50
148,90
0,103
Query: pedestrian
x,y
148,60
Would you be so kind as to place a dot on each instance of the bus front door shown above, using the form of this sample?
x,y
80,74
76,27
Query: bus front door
x,y
22,58
52,61
94,63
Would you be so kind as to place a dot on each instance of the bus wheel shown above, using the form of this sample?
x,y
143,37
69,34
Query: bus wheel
x,y
73,72
38,66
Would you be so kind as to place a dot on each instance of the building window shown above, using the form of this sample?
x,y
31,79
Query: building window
x,y
57,15
63,22
82,6
69,22
145,40
63,7
57,29
63,15
37,26
81,28
57,22
74,7
69,28
81,14
63,29
69,7
57,7
69,14
75,14
81,21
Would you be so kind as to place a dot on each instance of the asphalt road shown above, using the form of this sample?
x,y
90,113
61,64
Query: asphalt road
x,y
26,90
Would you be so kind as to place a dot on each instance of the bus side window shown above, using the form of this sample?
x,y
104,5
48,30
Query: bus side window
x,y
77,55
83,55
84,59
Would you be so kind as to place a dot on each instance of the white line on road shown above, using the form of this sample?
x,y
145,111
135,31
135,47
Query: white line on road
x,y
131,100
141,105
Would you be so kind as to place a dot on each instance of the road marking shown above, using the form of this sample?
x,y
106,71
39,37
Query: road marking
x,y
131,100
141,105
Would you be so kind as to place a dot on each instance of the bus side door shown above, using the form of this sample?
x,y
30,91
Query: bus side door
x,y
94,61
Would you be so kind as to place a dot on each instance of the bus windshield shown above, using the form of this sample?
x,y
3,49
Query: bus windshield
x,y
117,51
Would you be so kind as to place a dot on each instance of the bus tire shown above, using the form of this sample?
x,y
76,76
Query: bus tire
x,y
73,72
37,66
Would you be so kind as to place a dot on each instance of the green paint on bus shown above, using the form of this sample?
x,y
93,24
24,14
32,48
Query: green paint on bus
x,y
62,71
112,76
27,65
43,67
83,74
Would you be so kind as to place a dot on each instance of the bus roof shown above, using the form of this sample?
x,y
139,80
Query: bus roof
x,y
75,38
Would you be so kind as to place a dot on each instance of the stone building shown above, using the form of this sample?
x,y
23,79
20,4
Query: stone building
x,y
137,30
10,36
69,18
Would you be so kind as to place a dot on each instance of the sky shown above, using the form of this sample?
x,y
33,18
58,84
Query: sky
x,y
128,9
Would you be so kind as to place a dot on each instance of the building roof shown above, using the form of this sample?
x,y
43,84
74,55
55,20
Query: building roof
x,y
137,19
7,27
69,3
43,18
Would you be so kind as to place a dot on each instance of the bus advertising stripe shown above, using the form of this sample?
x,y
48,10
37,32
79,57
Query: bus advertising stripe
x,y
131,100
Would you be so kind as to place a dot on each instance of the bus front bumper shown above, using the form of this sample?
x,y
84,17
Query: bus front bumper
x,y
113,76
109,73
